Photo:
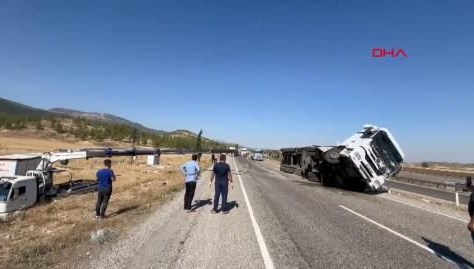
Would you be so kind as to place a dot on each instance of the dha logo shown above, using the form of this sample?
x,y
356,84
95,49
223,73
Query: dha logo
x,y
382,53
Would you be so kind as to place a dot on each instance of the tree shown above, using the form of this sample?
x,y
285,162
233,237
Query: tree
x,y
198,141
134,136
155,141
38,125
425,165
58,127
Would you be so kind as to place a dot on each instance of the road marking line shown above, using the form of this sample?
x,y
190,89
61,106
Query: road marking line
x,y
435,212
398,234
261,242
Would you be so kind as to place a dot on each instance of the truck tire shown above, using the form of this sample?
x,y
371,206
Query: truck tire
x,y
332,156
306,167
325,178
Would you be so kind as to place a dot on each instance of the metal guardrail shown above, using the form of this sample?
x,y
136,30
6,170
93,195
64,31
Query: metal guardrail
x,y
448,185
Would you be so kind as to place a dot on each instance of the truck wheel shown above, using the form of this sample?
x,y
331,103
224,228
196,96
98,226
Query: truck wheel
x,y
326,179
306,171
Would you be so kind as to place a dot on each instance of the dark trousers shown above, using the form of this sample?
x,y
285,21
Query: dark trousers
x,y
189,194
221,189
103,197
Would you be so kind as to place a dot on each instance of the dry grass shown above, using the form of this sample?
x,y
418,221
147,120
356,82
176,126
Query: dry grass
x,y
43,235
440,171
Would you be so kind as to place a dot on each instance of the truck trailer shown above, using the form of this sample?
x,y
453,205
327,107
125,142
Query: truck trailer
x,y
363,162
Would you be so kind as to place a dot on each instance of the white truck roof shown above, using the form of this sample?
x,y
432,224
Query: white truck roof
x,y
19,164
15,178
23,156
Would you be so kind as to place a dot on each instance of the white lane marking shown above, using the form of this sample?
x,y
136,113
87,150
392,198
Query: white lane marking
x,y
263,247
398,234
432,211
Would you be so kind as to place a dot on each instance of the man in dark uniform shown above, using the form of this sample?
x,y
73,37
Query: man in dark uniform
x,y
470,207
223,175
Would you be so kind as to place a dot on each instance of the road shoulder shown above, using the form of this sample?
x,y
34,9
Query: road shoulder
x,y
173,238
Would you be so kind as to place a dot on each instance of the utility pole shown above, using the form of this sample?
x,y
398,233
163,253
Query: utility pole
x,y
198,145
134,138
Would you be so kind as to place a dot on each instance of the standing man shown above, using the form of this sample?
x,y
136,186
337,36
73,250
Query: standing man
x,y
470,207
223,175
213,157
191,171
105,176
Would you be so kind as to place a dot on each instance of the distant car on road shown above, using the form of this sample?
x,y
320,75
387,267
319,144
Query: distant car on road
x,y
258,155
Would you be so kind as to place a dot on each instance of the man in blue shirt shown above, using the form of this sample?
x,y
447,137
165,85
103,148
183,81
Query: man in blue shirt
x,y
105,177
223,175
191,171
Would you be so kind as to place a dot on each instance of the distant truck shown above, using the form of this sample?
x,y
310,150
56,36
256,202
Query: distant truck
x,y
257,155
364,162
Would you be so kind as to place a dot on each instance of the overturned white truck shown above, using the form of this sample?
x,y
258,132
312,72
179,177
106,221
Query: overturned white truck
x,y
364,162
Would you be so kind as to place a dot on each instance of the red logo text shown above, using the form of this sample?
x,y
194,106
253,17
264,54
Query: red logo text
x,y
382,53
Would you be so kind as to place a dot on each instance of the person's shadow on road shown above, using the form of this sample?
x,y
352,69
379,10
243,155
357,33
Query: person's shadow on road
x,y
444,252
201,203
231,205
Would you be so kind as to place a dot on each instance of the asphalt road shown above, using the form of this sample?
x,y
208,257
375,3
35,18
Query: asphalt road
x,y
280,222
308,221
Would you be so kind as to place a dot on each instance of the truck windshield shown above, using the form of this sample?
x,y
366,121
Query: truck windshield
x,y
386,151
5,187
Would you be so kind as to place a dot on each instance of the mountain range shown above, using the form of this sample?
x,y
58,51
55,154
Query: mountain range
x,y
104,117
12,108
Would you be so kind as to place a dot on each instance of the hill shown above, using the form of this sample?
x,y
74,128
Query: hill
x,y
12,108
104,117
74,124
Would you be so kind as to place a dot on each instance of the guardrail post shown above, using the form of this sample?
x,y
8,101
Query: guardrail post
x,y
457,198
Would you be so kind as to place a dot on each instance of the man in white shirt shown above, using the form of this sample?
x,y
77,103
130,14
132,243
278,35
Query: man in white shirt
x,y
191,171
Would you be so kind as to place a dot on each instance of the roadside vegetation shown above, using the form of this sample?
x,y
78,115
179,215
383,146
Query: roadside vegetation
x,y
84,129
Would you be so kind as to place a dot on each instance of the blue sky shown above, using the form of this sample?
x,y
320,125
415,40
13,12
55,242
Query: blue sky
x,y
260,73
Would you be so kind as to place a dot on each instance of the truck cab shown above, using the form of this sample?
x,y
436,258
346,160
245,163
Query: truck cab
x,y
258,155
17,192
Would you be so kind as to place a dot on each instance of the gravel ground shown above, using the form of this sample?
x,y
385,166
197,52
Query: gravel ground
x,y
174,238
